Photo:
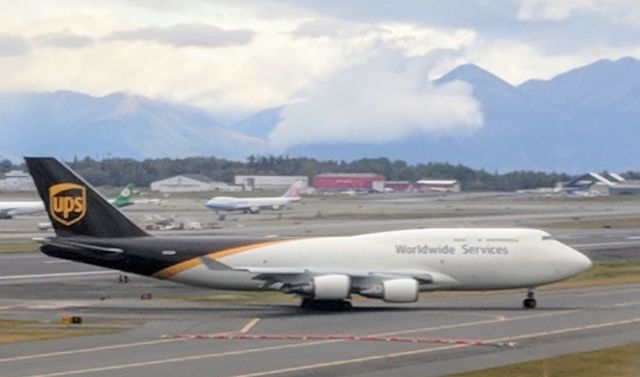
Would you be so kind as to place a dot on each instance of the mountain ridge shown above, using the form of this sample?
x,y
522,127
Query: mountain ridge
x,y
582,119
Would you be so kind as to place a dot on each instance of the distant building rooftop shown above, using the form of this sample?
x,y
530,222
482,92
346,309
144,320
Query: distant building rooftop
x,y
198,177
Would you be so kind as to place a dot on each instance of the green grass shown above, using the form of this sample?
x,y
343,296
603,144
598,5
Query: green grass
x,y
604,273
13,331
611,362
235,296
19,247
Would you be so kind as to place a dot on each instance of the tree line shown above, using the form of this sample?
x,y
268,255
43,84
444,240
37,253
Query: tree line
x,y
121,171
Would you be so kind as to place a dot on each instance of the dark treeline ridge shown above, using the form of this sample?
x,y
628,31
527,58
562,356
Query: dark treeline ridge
x,y
121,171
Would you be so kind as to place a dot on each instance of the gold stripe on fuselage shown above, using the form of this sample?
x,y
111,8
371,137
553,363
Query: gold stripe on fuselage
x,y
171,271
241,249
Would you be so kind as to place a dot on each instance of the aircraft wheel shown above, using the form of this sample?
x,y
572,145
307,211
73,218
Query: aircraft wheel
x,y
529,303
325,305
346,306
306,304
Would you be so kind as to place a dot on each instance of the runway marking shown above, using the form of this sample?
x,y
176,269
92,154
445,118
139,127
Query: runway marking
x,y
423,329
30,256
59,274
96,349
250,325
633,238
430,350
349,361
615,243
564,331
600,293
622,305
56,261
345,337
153,342
177,359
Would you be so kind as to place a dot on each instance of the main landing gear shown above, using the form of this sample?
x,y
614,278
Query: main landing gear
x,y
329,305
529,302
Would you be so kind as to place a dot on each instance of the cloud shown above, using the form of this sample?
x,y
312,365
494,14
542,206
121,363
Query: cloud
x,y
13,45
186,34
386,99
551,10
64,40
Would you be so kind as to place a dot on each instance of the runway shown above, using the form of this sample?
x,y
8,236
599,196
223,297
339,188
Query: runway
x,y
568,321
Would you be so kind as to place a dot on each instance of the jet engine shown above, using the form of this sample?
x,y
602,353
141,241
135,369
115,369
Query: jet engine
x,y
394,290
325,287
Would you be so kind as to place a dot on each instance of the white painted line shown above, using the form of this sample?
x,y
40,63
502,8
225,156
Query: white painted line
x,y
633,238
430,350
568,330
56,261
250,325
60,274
175,360
349,361
618,243
19,256
622,305
96,349
255,350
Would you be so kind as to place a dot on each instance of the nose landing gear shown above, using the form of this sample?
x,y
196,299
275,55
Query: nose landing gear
x,y
529,302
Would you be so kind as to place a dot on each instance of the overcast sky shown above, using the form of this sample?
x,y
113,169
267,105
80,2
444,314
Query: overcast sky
x,y
236,57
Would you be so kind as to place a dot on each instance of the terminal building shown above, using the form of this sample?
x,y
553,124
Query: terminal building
x,y
596,184
398,186
191,183
271,182
17,180
349,181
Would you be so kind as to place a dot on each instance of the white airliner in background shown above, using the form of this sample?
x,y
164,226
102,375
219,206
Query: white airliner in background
x,y
254,205
10,209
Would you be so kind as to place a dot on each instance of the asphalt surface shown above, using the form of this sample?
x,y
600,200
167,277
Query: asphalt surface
x,y
567,321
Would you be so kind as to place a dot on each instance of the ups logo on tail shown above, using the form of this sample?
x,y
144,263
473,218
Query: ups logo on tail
x,y
67,202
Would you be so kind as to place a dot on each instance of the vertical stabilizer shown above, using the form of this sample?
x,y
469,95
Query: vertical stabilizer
x,y
74,206
293,191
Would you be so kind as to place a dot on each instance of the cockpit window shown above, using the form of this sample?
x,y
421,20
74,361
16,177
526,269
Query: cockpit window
x,y
546,238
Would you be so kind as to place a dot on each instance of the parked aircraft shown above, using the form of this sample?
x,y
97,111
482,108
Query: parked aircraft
x,y
254,205
34,207
393,266
10,209
124,198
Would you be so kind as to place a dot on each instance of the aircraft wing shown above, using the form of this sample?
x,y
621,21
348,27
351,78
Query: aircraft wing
x,y
299,275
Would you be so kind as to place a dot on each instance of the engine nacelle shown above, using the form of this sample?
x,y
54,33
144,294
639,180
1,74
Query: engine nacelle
x,y
400,290
394,290
331,287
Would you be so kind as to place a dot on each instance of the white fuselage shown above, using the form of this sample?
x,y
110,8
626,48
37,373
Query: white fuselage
x,y
456,259
10,209
225,203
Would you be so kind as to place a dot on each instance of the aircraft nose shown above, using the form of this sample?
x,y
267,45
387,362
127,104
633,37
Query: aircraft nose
x,y
579,261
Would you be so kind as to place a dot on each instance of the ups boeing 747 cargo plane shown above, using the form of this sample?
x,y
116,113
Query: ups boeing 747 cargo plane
x,y
325,272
